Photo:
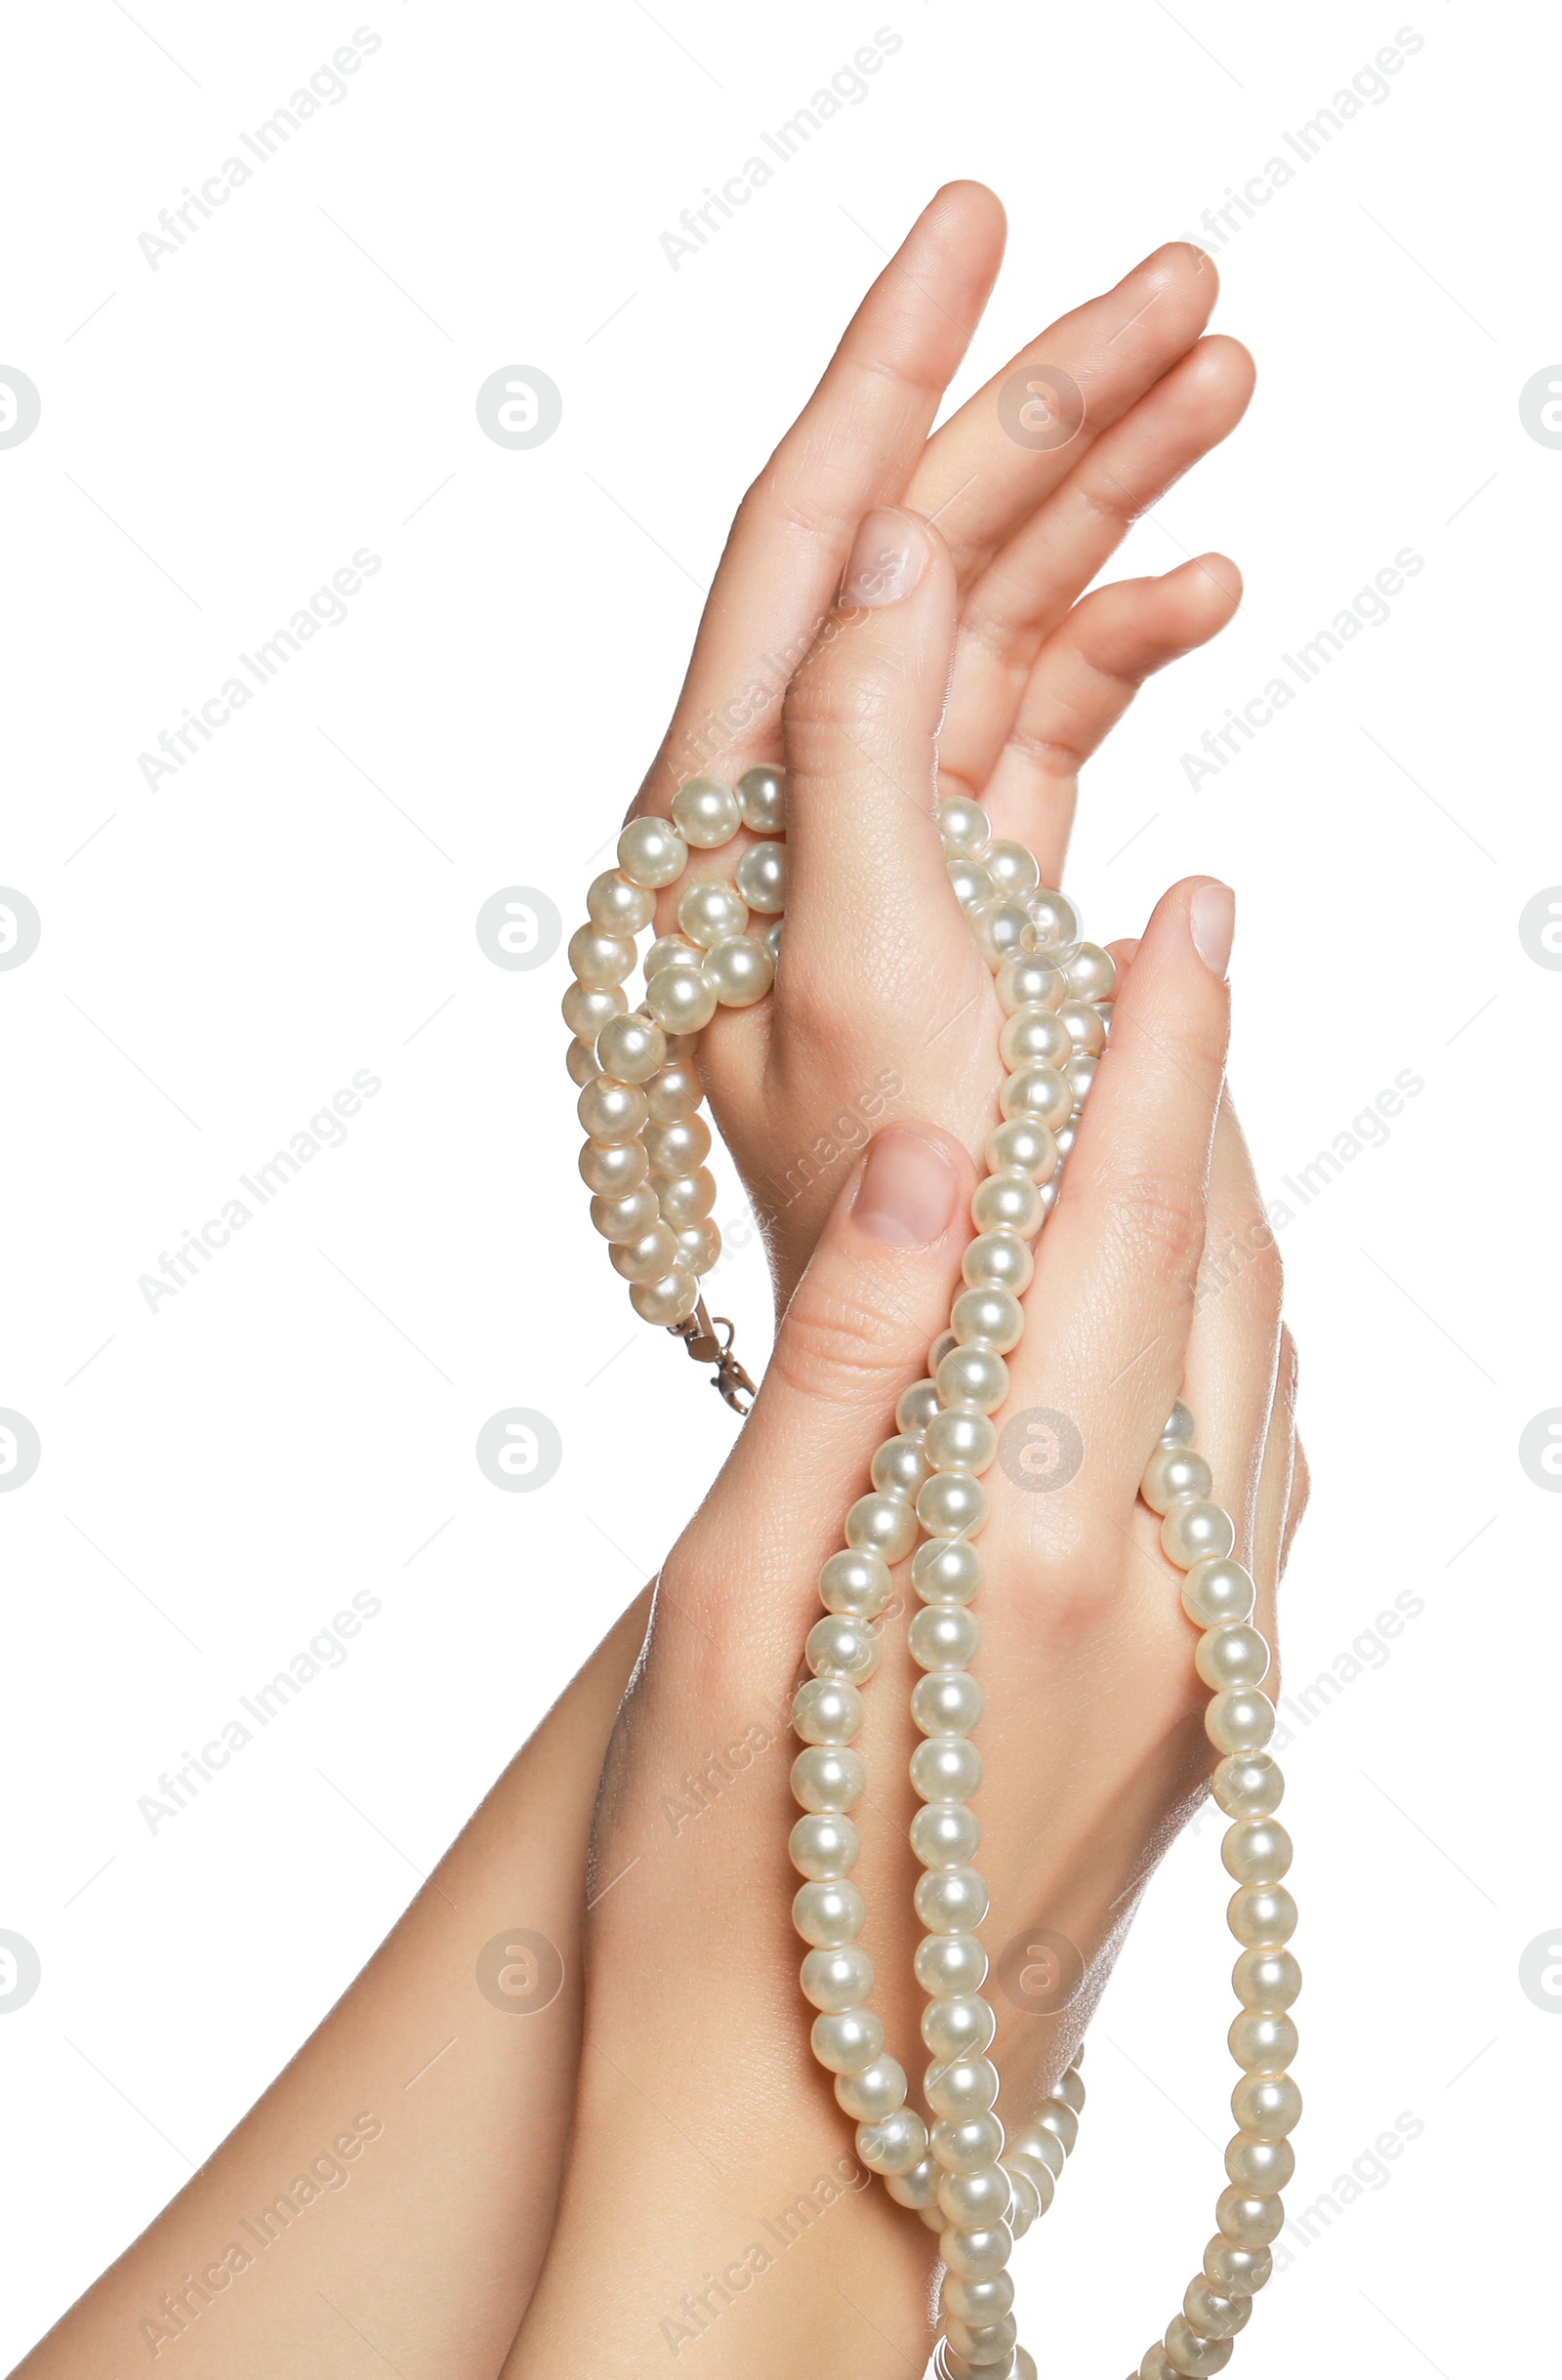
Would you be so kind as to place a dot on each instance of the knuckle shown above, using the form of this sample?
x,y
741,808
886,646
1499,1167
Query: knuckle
x,y
1158,1220
847,1345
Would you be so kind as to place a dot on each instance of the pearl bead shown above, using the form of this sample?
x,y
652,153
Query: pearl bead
x,y
973,1375
706,813
648,1255
1091,973
827,1777
1216,1592
951,1967
836,1979
1003,929
1267,1980
896,2144
1056,2117
947,1570
1189,2354
771,938
586,1011
672,1300
615,906
1011,867
855,1584
997,1261
611,1111
885,1523
761,793
989,1318
983,2348
629,1217
946,1702
1260,2167
1023,1145
1194,1531
1055,923
964,824
873,2092
761,876
670,950
826,1848
599,961
1042,2145
950,1900
972,885
1178,1430
827,1710
673,1093
1247,1785
742,968
959,1441
1268,2106
945,1636
1256,1851
830,1914
1007,1201
940,1348
699,1246
1172,1472
1263,1917
580,1059
681,999
917,2189
972,2200
977,2301
917,1407
1080,1076
1035,1036
1240,1719
686,1198
710,909
1261,2044
1071,2090
977,2255
1248,2219
1040,1091
966,2147
898,1467
946,1768
612,1168
650,853
945,1834
1155,2366
961,2024
679,1147
1234,2271
951,1503
846,2041
842,1647
958,2088
631,1049
1030,982
1083,1027
1039,2178
1237,1656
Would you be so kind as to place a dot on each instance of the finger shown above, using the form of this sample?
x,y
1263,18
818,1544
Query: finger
x,y
853,446
1112,1299
1233,1353
1081,684
1284,1495
980,479
1027,589
876,1293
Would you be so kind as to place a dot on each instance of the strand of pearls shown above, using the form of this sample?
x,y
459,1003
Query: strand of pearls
x,y
977,2186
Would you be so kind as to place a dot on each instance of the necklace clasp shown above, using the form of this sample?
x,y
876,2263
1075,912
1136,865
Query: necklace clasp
x,y
699,1335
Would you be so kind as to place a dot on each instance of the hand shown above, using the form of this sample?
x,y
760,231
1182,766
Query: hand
x,y
702,2120
1035,672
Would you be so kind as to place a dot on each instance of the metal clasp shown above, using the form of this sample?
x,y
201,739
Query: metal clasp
x,y
699,1335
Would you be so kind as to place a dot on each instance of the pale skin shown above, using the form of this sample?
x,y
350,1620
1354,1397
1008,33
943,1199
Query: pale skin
x,y
670,2103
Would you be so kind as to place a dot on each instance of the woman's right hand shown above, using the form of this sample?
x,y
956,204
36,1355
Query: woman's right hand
x,y
997,652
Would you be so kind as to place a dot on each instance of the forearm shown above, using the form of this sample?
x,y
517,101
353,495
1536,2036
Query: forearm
x,y
425,2235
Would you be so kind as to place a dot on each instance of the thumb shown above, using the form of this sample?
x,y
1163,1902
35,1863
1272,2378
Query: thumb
x,y
856,1334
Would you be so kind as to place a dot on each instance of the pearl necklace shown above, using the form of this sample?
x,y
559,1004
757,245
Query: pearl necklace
x,y
980,2186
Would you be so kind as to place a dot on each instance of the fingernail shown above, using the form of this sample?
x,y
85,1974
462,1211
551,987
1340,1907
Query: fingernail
x,y
888,556
908,1190
1213,919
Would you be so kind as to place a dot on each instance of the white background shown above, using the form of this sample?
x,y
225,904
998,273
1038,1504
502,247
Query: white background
x,y
219,955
